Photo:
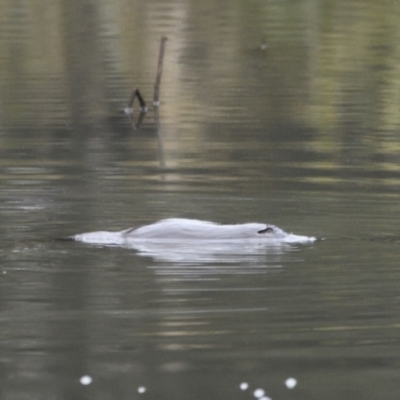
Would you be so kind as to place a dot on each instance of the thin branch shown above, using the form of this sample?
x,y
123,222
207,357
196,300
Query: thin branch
x,y
156,101
135,92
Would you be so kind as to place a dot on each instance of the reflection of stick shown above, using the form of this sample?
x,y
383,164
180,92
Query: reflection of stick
x,y
140,119
156,101
161,157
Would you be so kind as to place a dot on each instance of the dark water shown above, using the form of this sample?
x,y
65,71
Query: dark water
x,y
281,112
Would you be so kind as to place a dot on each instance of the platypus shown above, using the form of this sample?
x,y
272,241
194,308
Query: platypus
x,y
182,229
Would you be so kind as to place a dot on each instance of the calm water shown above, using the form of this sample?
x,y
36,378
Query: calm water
x,y
271,111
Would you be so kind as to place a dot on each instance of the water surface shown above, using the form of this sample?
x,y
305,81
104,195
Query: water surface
x,y
279,112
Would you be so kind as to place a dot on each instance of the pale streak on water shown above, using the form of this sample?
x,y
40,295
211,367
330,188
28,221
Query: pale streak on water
x,y
270,112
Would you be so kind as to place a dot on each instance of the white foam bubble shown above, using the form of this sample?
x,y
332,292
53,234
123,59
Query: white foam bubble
x,y
141,389
244,386
291,383
259,393
86,380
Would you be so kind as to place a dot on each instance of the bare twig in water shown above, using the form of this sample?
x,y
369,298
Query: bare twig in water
x,y
141,101
156,101
136,93
129,109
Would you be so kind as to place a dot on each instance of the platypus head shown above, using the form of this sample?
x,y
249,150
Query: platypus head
x,y
273,232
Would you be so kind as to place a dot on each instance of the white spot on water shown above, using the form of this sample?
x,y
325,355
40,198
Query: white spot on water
x,y
141,389
259,393
86,380
265,398
291,383
244,386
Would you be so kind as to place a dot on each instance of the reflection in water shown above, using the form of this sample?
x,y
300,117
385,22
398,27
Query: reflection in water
x,y
135,125
193,251
160,138
209,252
